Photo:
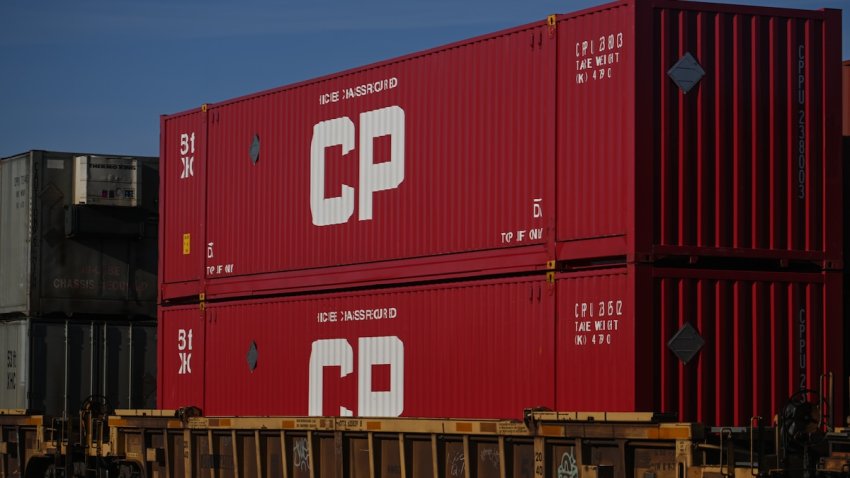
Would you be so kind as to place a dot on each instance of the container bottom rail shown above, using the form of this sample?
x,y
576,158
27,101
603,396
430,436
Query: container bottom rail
x,y
172,444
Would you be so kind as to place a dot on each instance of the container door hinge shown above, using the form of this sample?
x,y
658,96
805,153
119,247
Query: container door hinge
x,y
550,272
202,301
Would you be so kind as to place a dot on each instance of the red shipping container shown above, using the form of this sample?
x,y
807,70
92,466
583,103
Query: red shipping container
x,y
637,130
481,349
591,341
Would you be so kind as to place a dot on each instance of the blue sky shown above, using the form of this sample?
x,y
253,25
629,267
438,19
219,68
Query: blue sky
x,y
94,75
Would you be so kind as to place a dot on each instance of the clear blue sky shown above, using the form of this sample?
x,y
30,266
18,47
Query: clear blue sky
x,y
94,75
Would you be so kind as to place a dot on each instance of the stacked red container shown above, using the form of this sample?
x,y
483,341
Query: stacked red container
x,y
680,158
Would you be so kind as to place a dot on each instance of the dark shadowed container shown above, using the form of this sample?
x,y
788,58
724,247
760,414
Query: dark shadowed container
x,y
53,366
78,234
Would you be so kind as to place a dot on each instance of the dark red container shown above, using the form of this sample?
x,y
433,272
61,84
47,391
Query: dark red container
x,y
561,140
590,341
845,79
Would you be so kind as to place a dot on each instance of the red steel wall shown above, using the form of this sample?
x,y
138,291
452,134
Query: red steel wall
x,y
448,151
182,199
745,164
495,155
593,340
480,349
767,335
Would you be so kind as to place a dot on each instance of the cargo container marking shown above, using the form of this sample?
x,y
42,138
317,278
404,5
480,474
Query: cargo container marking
x,y
19,184
802,342
597,332
358,91
184,347
374,177
356,315
187,146
388,350
801,122
11,369
594,59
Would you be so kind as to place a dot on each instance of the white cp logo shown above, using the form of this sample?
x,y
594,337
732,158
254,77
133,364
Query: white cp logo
x,y
387,121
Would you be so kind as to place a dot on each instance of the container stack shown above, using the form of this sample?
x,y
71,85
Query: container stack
x,y
635,207
77,281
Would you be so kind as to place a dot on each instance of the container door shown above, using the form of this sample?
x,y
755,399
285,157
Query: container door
x,y
16,218
595,367
47,367
82,364
182,203
143,366
596,98
129,367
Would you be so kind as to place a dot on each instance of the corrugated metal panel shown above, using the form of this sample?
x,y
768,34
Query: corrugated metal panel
x,y
52,366
748,158
128,354
845,79
440,153
180,348
492,155
182,206
766,336
59,265
714,171
596,124
15,233
465,350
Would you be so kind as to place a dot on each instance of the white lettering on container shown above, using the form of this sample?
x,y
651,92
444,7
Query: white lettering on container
x,y
371,351
597,322
187,147
374,177
184,347
597,59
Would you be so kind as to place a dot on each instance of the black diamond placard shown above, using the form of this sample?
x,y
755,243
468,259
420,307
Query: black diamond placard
x,y
686,343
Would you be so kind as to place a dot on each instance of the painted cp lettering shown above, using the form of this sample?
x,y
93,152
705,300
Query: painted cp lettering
x,y
374,177
184,351
371,351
